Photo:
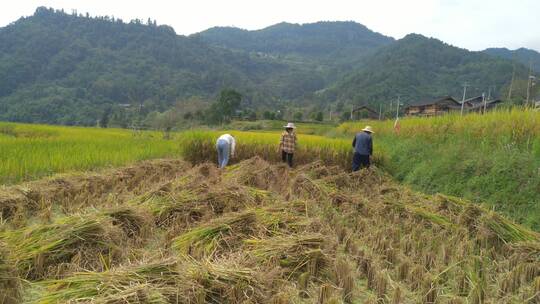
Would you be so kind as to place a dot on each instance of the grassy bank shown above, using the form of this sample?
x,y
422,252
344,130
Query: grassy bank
x,y
493,158
32,151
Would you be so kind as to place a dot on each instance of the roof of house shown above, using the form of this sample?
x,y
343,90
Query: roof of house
x,y
489,103
474,100
435,101
364,107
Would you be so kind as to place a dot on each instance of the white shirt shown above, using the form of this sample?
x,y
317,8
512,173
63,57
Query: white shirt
x,y
230,140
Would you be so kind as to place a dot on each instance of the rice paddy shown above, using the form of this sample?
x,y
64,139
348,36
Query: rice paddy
x,y
29,152
169,231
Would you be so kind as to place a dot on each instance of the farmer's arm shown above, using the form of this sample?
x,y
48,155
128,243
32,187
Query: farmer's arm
x,y
370,144
354,142
233,146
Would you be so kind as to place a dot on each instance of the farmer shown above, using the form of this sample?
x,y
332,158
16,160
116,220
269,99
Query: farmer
x,y
225,149
363,149
287,144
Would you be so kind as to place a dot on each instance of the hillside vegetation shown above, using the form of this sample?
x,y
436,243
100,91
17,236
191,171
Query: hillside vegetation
x,y
419,68
72,69
493,158
526,56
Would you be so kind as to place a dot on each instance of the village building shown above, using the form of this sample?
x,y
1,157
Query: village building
x,y
447,104
432,107
365,112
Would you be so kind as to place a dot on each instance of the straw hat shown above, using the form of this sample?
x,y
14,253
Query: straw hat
x,y
290,126
368,129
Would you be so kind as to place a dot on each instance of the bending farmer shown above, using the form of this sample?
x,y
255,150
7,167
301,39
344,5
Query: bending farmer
x,y
363,149
225,149
287,144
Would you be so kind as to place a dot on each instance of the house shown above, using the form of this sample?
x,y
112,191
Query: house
x,y
365,112
438,106
448,104
480,106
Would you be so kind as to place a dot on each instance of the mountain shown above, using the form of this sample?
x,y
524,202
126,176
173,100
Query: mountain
x,y
70,69
74,69
417,67
522,55
321,40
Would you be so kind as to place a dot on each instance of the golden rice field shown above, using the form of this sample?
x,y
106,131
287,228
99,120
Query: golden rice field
x,y
32,151
502,126
199,146
167,231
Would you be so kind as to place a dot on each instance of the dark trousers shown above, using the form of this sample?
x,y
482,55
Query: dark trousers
x,y
360,161
287,157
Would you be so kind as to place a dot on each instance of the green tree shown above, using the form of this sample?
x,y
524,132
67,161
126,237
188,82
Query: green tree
x,y
319,116
224,108
298,116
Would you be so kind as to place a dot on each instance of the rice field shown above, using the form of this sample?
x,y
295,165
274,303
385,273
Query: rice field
x,y
31,151
199,146
170,231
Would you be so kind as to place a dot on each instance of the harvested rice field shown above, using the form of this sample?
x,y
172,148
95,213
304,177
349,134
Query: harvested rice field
x,y
167,231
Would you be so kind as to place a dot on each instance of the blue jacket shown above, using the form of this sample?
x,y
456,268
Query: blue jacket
x,y
363,144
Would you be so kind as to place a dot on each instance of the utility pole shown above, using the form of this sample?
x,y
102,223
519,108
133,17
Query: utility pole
x,y
485,102
352,107
465,85
380,110
512,82
529,81
330,112
397,111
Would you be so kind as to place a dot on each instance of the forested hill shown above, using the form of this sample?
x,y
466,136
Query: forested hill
x,y
522,55
74,69
417,67
62,68
321,40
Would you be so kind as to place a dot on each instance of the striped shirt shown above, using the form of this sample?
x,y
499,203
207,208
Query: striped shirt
x,y
288,142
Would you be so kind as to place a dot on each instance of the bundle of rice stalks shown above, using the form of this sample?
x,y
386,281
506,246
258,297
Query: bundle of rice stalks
x,y
223,281
13,202
10,285
258,173
303,186
133,222
207,239
282,218
148,283
232,198
298,253
183,207
507,231
422,214
35,248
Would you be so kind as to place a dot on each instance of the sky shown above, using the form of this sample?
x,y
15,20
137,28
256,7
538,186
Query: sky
x,y
473,24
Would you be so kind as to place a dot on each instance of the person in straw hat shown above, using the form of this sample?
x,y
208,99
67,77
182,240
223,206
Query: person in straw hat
x,y
287,144
363,149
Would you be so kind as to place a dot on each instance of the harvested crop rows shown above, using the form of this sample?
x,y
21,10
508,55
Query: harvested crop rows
x,y
169,232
